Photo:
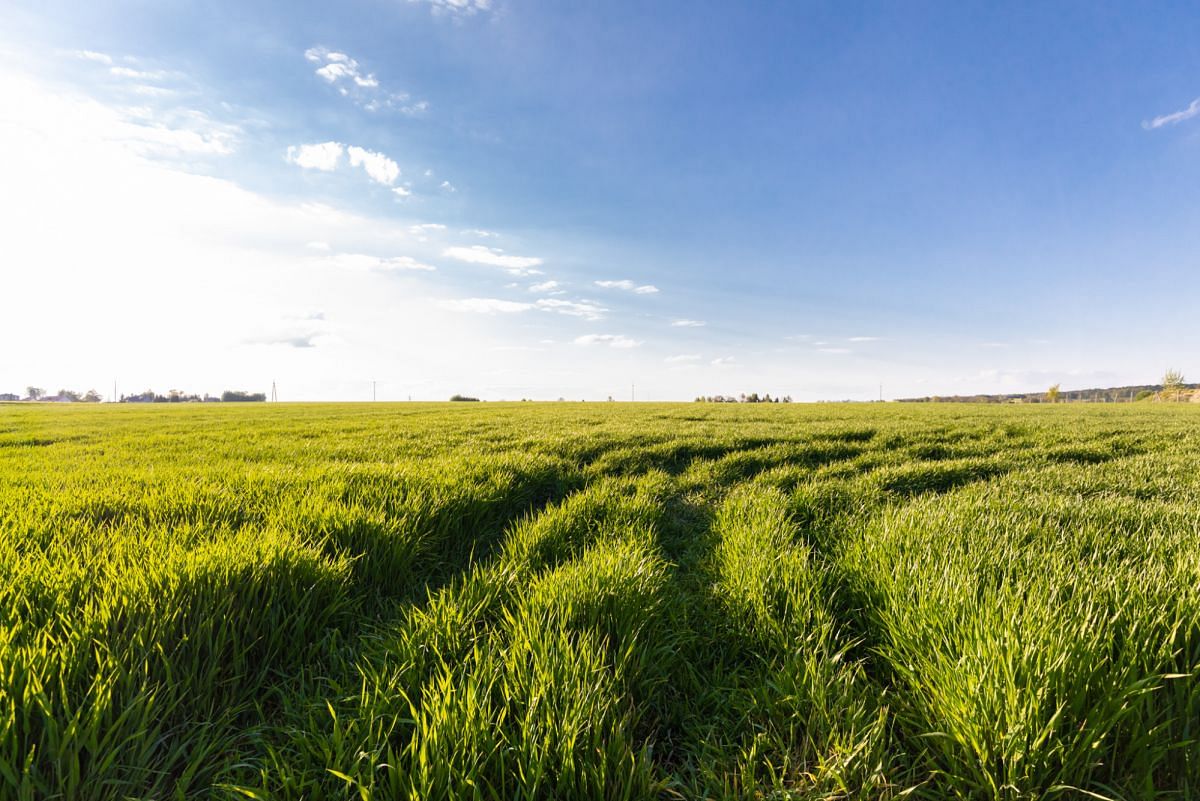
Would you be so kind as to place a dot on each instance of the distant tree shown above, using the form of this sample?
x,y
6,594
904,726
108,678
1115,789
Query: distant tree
x,y
465,398
34,393
1145,393
1172,385
232,396
91,396
68,395
1052,393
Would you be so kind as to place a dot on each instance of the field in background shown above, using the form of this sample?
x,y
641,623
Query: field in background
x,y
610,601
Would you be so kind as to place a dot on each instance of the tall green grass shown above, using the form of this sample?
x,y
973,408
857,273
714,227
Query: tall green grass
x,y
599,602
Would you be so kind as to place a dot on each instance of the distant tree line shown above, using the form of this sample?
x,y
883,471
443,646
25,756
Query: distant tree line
x,y
465,398
1173,388
62,396
753,397
149,396
178,396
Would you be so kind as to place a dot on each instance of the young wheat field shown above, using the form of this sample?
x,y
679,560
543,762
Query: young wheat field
x,y
599,601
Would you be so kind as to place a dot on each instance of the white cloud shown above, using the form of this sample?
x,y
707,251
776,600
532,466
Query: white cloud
x,y
683,358
456,8
294,331
688,323
584,309
722,361
1188,113
628,286
343,72
405,263
482,234
612,340
545,287
377,166
426,227
494,257
323,157
359,261
448,187
401,191
92,55
317,245
834,350
337,66
327,157
485,306
152,91
863,339
140,75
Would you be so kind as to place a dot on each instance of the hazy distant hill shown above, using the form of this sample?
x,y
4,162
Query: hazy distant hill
x,y
1104,395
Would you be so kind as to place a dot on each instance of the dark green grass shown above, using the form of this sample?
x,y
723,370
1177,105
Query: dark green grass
x,y
599,601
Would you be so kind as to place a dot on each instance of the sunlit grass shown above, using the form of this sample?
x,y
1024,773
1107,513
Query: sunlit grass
x,y
599,601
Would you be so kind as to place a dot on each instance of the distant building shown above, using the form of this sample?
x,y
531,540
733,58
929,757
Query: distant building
x,y
8,396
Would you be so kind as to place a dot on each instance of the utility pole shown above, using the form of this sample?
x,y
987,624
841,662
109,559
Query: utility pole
x,y
114,390
274,394
372,390
881,393
632,392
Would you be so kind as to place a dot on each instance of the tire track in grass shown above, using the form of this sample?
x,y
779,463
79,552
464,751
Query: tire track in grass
x,y
403,687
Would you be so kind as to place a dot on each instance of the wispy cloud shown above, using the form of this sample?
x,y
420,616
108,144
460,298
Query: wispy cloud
x,y
138,75
628,286
688,323
324,156
359,261
485,306
422,231
833,350
546,288
683,358
155,127
293,331
494,257
92,55
456,8
723,361
585,309
863,339
351,81
1193,110
611,340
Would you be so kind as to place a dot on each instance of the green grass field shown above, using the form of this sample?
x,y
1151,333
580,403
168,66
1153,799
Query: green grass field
x,y
599,601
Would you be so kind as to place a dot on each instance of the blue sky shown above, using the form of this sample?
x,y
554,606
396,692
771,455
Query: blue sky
x,y
518,199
